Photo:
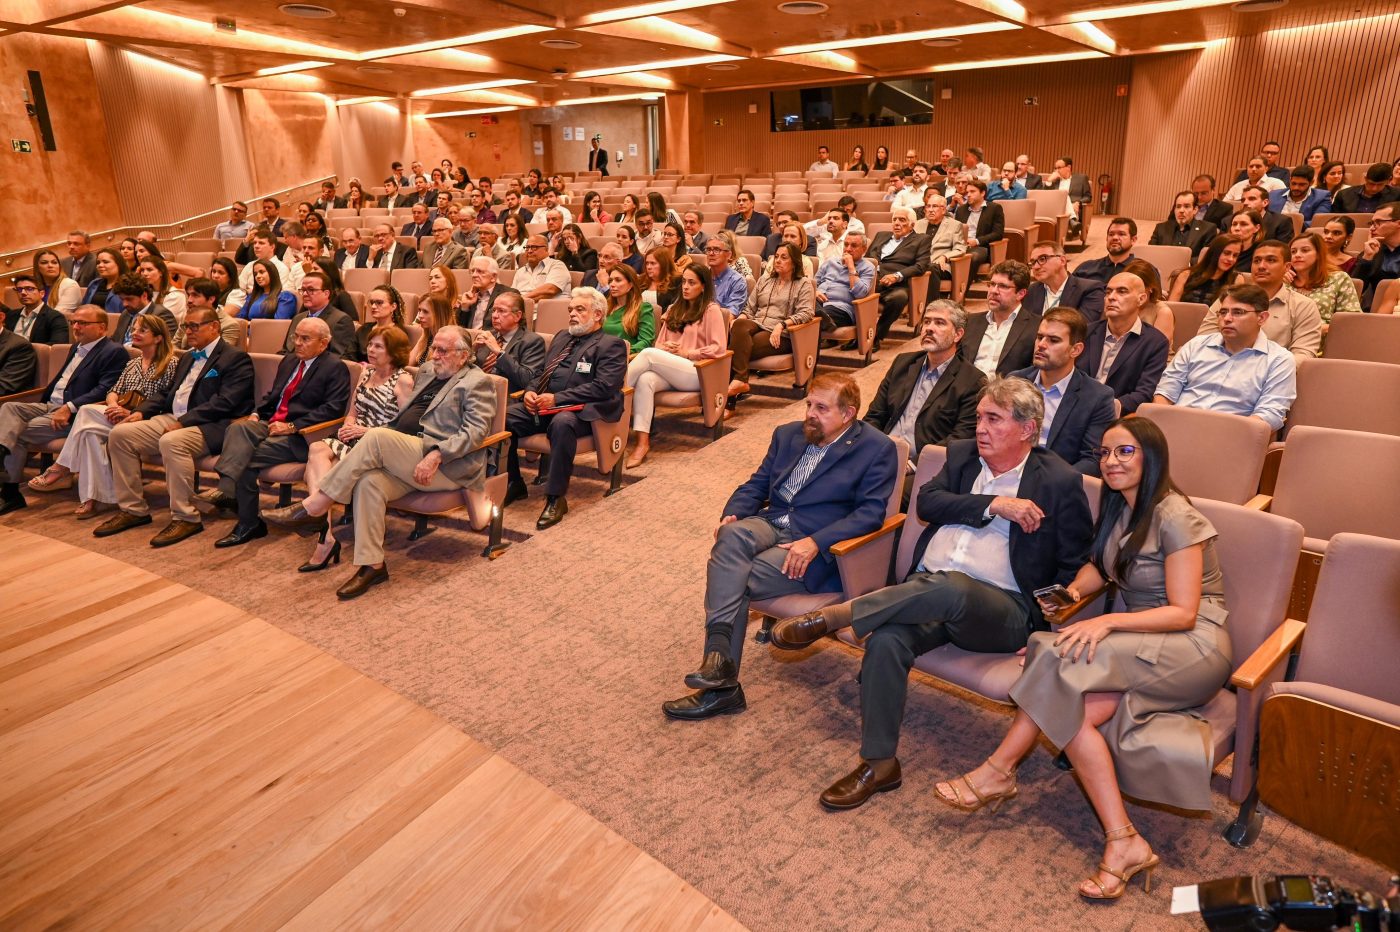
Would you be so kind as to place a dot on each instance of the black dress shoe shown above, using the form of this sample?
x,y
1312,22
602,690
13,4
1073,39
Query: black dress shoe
x,y
716,672
11,499
849,346
706,704
555,508
121,521
365,578
241,535
516,491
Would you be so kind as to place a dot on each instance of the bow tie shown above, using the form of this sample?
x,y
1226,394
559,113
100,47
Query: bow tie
x,y
198,355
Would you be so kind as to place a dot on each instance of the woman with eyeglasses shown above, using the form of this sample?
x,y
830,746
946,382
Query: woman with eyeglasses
x,y
84,452
384,307
1119,692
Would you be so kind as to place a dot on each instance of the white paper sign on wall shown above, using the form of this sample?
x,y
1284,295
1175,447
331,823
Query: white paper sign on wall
x,y
539,147
632,148
568,134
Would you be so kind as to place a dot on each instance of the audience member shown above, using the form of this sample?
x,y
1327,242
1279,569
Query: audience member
x,y
213,385
1003,339
1156,312
541,276
842,281
81,264
984,224
731,290
824,164
1201,283
574,250
443,250
1055,287
1121,350
1367,197
693,329
19,363
947,239
1077,408
781,299
1248,227
1119,240
774,239
507,348
1028,177
1310,273
1237,370
857,163
1007,187
329,200
901,255
1276,226
272,215
1209,207
156,273
389,253
316,305
135,297
975,165
1256,174
1380,256
474,305
267,299
1301,197
352,252
1269,157
384,307
745,221
432,445
1332,178
1074,184
629,316
1291,320
777,530
1183,229
204,293
648,236
34,319
1337,233
110,267
1005,518
57,290
912,194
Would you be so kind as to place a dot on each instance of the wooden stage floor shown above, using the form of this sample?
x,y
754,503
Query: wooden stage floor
x,y
167,761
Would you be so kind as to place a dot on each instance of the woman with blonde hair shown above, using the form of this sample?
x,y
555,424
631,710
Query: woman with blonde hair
x,y
741,264
629,316
84,452
1310,272
795,234
60,292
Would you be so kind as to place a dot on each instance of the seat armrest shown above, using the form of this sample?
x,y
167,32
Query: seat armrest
x,y
1084,602
493,440
1275,649
851,544
320,428
1260,502
26,395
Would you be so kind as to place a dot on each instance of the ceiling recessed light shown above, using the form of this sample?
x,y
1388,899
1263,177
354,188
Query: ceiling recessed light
x,y
723,66
942,43
803,7
1257,6
560,44
307,10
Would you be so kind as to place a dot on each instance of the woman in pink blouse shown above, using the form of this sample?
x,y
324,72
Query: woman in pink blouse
x,y
692,329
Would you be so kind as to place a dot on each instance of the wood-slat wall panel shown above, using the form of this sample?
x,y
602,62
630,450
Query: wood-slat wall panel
x,y
1079,115
1326,84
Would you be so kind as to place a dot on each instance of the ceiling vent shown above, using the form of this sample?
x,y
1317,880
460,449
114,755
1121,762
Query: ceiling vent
x,y
943,43
561,44
803,7
307,10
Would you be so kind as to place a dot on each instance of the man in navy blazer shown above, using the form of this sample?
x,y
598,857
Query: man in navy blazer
x,y
88,373
585,367
822,481
1077,409
1137,351
1301,195
1055,287
754,223
1005,517
213,384
351,244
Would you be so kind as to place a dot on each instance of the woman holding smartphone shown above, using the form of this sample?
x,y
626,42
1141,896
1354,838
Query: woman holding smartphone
x,y
1117,692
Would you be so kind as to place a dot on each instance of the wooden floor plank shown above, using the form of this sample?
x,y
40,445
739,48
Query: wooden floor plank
x,y
168,762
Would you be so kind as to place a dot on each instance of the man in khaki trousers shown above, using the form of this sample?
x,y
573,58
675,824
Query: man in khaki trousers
x,y
432,446
213,385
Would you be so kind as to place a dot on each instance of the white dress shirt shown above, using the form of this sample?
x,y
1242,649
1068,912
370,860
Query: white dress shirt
x,y
983,553
245,277
989,350
61,386
181,404
1052,397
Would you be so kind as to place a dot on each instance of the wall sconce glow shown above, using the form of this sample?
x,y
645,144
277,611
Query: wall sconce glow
x,y
457,113
606,99
973,29
652,65
356,101
644,9
478,86
1096,37
1143,9
1012,62
289,69
473,39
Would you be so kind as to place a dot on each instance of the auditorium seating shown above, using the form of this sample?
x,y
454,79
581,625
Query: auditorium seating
x,y
1213,455
1373,337
607,443
710,398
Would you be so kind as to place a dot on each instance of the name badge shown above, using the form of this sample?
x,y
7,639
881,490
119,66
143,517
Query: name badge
x,y
584,367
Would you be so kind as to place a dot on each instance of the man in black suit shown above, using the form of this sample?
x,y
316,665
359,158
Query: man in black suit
x,y
1077,409
353,253
474,305
421,225
213,385
1027,175
1003,339
135,296
1119,240
1183,229
1276,225
1005,517
929,396
81,264
1123,351
312,386
1209,207
19,363
389,253
598,157
328,199
985,224
91,369
508,349
746,221
770,245
1055,287
900,257
34,319
586,367
1075,184
316,305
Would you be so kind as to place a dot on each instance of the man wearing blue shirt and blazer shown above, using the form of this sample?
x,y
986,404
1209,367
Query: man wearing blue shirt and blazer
x,y
755,223
822,481
1304,198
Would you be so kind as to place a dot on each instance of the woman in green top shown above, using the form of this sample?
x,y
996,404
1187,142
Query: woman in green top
x,y
629,316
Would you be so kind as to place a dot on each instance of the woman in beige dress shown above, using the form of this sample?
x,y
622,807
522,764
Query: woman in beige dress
x,y
1118,692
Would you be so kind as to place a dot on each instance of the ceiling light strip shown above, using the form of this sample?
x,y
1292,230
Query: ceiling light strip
x,y
1141,9
950,32
457,113
653,65
478,86
644,9
355,101
1012,62
475,38
289,69
608,99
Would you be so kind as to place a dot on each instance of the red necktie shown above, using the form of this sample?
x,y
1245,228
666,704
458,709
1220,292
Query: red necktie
x,y
288,392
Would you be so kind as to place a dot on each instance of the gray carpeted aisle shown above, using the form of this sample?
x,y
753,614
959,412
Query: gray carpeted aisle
x,y
559,653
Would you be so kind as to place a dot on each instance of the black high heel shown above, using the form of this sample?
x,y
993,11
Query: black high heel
x,y
332,557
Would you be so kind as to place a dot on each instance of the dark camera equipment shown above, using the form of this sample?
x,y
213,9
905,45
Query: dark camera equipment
x,y
1293,901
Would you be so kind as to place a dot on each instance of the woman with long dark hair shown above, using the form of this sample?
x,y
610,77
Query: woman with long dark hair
x,y
856,163
1202,282
1117,692
1336,234
223,272
267,300
110,266
882,159
593,211
629,317
60,292
1332,176
783,298
1317,157
574,250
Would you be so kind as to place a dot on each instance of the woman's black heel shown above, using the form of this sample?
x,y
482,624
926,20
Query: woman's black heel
x,y
332,557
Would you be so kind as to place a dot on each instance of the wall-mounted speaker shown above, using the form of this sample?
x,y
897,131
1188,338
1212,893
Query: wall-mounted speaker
x,y
41,111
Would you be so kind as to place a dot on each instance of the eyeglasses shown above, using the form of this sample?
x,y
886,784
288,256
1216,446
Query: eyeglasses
x,y
715,250
1377,221
310,290
534,246
25,289
190,327
374,303
86,323
1041,260
1122,453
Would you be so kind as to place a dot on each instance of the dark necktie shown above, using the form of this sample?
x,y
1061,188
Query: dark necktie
x,y
543,384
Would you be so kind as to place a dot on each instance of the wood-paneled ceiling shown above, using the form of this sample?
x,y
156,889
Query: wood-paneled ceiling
x,y
446,55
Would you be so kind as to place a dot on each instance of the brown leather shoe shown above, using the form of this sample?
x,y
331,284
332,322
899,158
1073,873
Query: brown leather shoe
x,y
121,521
860,784
800,632
364,579
294,518
176,531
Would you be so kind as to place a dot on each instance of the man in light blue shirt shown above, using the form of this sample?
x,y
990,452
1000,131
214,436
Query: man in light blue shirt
x,y
1238,370
237,226
844,281
1006,188
731,291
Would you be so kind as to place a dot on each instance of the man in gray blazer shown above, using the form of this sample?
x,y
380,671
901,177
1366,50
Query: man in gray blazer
x,y
947,238
443,250
432,446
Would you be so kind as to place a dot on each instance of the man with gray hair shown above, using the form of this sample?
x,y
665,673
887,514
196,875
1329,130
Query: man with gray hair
x,y
541,275
609,257
581,382
1005,518
474,304
81,264
466,234
947,238
842,281
433,445
312,386
902,256
489,236
444,250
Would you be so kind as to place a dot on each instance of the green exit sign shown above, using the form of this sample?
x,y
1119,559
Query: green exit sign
x,y
21,145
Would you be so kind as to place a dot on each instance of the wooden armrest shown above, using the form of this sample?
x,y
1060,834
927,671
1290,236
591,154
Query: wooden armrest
x,y
313,428
25,395
493,440
851,544
1084,602
519,394
702,363
1276,647
1260,502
